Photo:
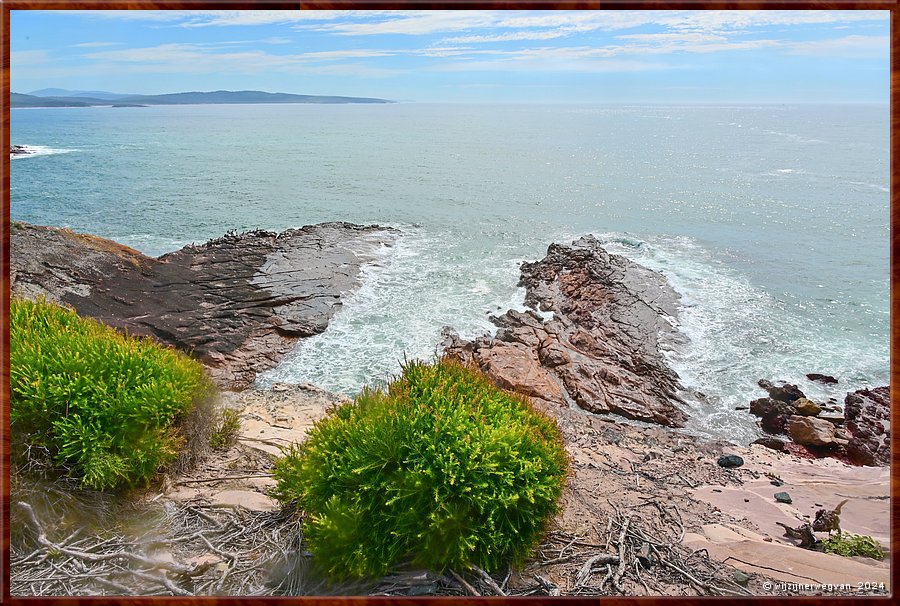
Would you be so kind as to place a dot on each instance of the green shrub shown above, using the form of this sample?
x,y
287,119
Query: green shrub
x,y
847,544
225,435
441,470
106,407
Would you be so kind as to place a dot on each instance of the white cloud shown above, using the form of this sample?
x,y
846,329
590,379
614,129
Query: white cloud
x,y
848,46
95,44
209,58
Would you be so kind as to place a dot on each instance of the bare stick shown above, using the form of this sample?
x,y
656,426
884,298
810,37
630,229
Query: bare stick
x,y
588,566
549,587
488,580
617,580
466,586
223,478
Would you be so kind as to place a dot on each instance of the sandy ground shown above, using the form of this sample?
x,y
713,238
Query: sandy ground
x,y
720,521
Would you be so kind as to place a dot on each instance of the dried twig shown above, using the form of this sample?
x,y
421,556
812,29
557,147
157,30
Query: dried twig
x,y
465,584
488,580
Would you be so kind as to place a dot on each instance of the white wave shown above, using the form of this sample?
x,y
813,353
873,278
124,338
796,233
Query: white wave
x,y
872,185
39,150
739,333
399,311
792,137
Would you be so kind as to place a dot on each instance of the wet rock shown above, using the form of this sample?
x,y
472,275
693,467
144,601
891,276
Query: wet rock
x,y
810,431
238,303
814,376
783,393
807,407
730,461
773,414
601,350
868,414
783,497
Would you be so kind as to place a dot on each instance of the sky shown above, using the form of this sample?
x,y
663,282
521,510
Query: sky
x,y
463,56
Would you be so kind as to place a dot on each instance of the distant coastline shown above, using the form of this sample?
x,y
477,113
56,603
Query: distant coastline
x,y
221,97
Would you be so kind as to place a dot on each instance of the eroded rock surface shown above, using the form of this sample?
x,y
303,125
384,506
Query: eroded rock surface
x,y
868,417
238,303
601,349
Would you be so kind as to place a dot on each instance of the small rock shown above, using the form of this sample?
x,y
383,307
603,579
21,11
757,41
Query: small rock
x,y
783,497
814,376
746,500
776,482
742,408
741,578
729,461
767,540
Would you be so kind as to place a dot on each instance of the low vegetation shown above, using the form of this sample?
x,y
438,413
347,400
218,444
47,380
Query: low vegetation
x,y
101,406
848,545
227,430
441,469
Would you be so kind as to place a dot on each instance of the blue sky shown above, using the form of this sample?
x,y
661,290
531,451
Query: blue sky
x,y
464,56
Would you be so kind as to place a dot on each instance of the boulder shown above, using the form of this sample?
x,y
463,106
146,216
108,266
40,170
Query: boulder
x,y
773,414
868,422
784,392
807,407
810,431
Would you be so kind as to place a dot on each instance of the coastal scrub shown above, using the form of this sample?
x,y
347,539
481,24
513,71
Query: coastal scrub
x,y
105,407
442,470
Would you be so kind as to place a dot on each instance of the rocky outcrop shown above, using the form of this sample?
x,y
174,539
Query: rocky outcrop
x,y
600,350
238,303
868,418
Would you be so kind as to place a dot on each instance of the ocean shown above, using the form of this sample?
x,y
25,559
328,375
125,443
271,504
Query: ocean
x,y
772,222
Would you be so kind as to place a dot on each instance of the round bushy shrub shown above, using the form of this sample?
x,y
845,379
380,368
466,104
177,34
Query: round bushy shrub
x,y
104,406
442,469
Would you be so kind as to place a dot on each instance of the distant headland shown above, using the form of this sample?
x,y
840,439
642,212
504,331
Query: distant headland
x,y
66,98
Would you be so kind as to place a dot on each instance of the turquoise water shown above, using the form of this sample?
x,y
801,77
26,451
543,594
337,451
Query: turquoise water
x,y
771,221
